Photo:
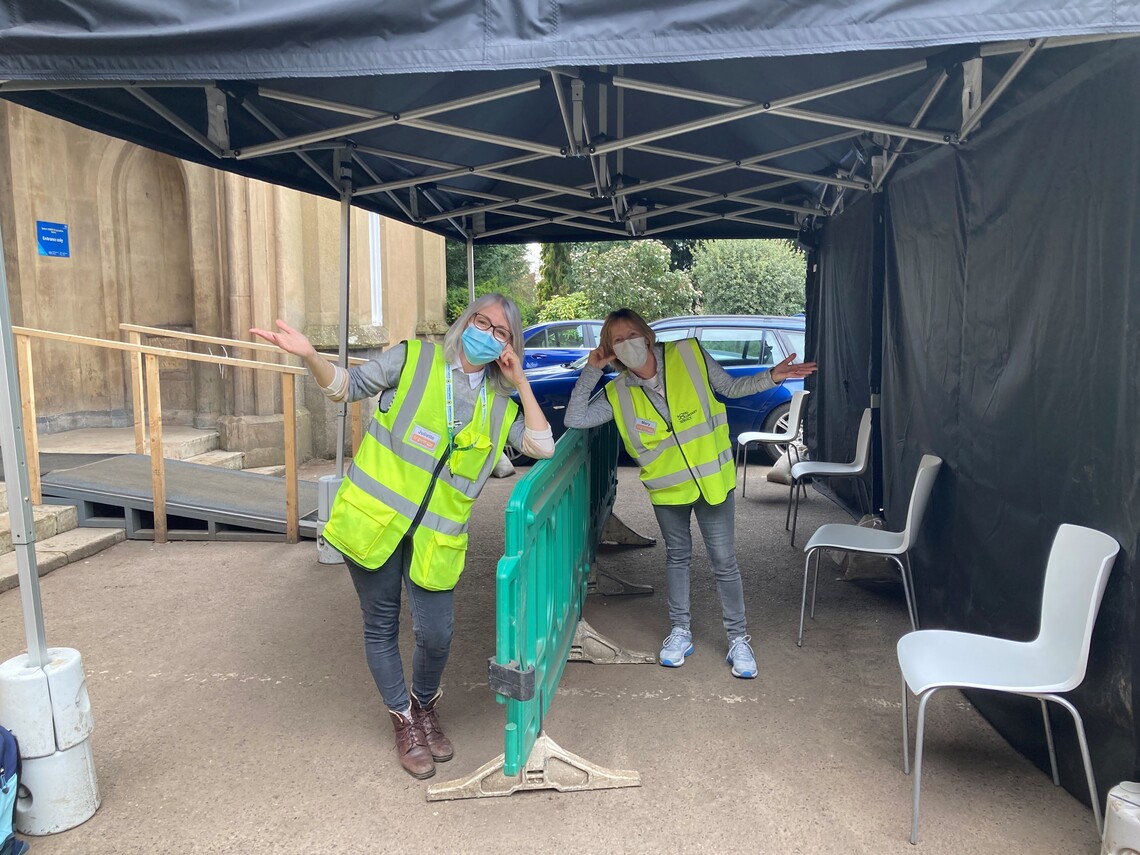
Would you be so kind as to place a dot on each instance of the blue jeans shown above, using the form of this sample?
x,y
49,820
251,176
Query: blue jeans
x,y
432,623
717,524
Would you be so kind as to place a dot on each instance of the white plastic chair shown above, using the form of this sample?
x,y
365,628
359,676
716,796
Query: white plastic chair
x,y
895,545
788,435
1075,576
857,468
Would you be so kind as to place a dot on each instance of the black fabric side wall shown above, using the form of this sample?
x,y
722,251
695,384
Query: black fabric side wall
x,y
842,326
1012,345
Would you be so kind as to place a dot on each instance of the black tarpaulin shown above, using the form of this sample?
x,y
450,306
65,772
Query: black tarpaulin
x,y
1012,340
842,340
190,39
534,120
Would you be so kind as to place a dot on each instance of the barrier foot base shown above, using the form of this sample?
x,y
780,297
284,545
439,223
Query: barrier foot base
x,y
589,646
624,589
549,767
617,532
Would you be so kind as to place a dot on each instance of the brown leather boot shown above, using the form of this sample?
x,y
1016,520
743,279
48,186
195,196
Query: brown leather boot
x,y
426,717
411,744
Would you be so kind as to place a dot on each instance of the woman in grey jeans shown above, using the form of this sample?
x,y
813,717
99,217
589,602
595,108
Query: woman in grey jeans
x,y
400,516
676,430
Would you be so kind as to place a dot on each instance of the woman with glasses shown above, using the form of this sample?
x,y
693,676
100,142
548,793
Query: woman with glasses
x,y
400,517
671,423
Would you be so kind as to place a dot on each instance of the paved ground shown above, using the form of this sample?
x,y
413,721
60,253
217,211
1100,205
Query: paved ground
x,y
234,713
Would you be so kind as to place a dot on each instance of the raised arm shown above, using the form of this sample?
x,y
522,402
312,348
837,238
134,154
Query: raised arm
x,y
511,365
581,412
291,341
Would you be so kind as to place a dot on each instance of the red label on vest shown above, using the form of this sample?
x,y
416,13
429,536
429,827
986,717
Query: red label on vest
x,y
645,426
424,438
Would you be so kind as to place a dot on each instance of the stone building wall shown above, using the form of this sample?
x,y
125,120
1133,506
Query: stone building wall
x,y
162,242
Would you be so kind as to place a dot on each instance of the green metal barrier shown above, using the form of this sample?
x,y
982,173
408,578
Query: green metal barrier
x,y
554,520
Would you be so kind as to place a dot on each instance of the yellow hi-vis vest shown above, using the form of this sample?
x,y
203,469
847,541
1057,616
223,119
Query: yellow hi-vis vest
x,y
400,475
691,457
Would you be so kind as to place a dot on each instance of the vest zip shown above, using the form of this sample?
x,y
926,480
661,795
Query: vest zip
x,y
673,433
431,489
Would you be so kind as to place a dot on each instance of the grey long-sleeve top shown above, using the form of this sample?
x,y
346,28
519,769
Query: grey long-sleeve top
x,y
381,376
581,412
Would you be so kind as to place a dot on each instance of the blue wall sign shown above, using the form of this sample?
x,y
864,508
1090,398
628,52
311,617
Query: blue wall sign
x,y
51,239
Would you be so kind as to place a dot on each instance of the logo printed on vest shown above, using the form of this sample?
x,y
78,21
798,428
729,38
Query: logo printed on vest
x,y
685,417
425,438
645,426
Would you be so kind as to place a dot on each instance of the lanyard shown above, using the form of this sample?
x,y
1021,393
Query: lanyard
x,y
448,398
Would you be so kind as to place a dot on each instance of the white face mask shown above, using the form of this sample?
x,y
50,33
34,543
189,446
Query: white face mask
x,y
633,352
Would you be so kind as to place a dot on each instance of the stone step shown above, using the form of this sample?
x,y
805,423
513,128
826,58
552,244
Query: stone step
x,y
178,442
277,471
220,459
48,521
60,550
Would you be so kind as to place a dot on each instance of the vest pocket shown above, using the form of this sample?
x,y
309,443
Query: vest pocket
x,y
439,559
355,528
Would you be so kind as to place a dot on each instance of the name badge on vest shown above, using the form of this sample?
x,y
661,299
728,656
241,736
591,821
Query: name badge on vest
x,y
645,426
424,438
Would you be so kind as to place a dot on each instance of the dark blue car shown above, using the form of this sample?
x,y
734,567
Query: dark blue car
x,y
558,342
742,344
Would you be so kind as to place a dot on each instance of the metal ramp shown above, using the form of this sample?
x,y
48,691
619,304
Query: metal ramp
x,y
202,502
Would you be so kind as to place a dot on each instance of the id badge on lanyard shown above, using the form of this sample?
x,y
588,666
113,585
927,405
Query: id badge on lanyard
x,y
470,447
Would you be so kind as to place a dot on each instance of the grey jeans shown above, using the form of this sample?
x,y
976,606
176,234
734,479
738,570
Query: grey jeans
x,y
717,527
432,624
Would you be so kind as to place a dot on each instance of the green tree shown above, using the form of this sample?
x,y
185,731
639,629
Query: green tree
x,y
635,274
554,271
564,307
750,277
498,268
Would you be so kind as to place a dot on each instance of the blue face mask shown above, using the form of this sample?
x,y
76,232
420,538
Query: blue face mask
x,y
480,347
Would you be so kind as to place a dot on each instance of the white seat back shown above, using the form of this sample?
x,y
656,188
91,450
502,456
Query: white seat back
x,y
920,496
863,442
795,415
1080,561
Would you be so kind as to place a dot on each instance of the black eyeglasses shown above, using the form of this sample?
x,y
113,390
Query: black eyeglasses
x,y
501,334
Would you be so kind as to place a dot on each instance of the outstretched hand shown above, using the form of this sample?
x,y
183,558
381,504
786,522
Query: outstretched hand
x,y
785,370
288,339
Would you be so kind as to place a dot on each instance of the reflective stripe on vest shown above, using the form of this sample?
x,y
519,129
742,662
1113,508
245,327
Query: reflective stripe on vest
x,y
690,458
394,474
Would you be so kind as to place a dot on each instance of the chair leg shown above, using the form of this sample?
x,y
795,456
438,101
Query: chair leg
x,y
906,727
795,517
918,761
1049,741
906,592
803,601
788,512
1083,740
744,454
913,590
814,584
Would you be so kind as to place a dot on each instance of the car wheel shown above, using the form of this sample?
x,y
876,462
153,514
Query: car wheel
x,y
515,456
777,422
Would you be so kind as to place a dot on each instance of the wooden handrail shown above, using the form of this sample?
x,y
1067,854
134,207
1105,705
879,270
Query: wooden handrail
x,y
110,344
136,331
160,332
141,352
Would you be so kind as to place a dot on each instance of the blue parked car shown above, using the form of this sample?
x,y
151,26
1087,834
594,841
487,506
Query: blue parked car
x,y
742,344
559,342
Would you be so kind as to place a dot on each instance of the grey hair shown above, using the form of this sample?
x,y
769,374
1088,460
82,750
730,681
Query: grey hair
x,y
452,344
